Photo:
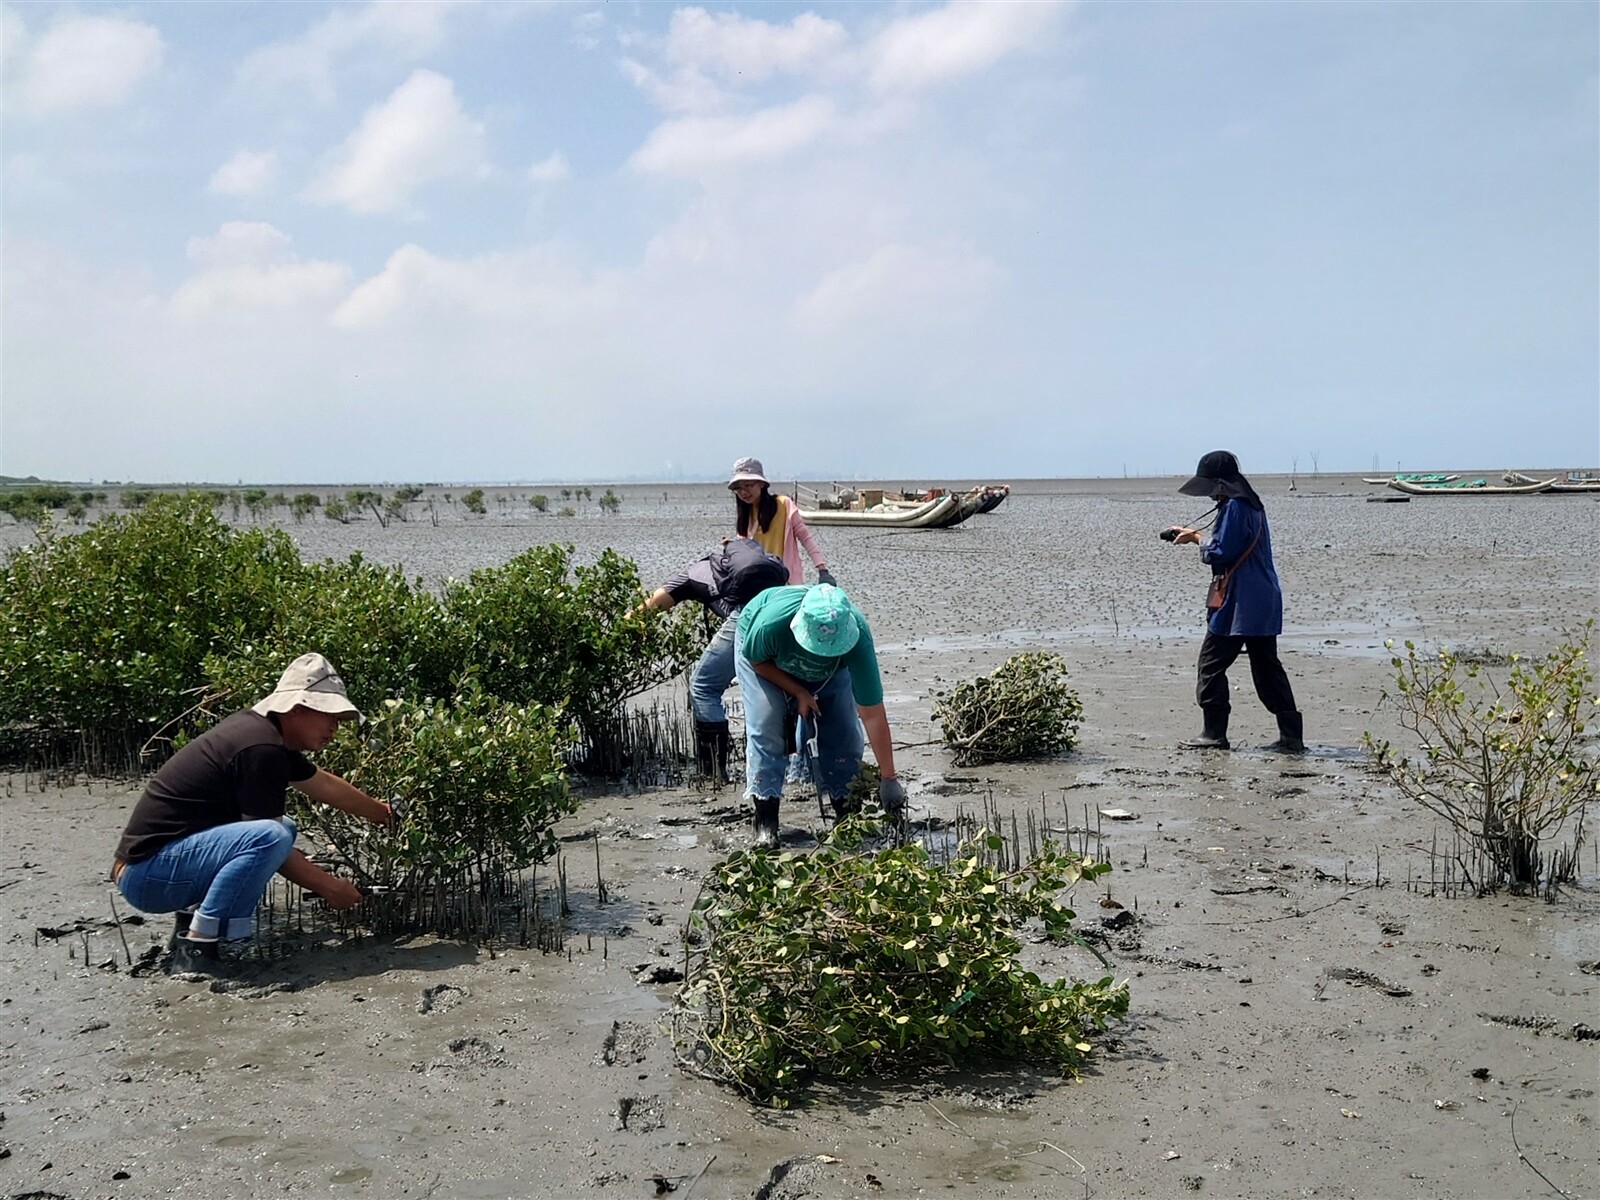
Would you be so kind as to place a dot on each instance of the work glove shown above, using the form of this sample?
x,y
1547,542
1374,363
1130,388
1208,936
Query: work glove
x,y
826,576
892,795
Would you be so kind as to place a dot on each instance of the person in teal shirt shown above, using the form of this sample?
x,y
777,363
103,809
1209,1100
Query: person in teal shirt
x,y
809,651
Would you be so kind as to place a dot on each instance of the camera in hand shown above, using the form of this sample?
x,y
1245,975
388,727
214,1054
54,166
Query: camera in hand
x,y
1168,534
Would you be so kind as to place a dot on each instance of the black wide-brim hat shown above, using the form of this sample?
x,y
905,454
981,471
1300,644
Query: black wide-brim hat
x,y
1218,475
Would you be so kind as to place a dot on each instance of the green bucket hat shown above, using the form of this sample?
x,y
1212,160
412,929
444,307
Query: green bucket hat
x,y
825,624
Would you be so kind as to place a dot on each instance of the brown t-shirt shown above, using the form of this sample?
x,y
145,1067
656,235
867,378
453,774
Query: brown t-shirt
x,y
237,771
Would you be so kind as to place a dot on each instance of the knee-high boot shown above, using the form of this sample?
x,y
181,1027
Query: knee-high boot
x,y
711,749
1291,734
1214,736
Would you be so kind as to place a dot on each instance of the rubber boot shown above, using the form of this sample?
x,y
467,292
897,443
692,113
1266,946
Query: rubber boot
x,y
199,958
844,806
1291,731
721,750
1214,736
766,824
711,750
180,927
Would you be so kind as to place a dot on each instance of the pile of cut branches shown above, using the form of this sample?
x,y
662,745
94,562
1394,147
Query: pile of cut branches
x,y
1023,710
839,963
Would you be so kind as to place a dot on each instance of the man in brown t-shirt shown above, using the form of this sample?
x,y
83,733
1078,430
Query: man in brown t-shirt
x,y
210,832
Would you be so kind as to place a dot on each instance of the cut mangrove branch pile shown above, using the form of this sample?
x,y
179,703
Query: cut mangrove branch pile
x,y
840,963
1023,710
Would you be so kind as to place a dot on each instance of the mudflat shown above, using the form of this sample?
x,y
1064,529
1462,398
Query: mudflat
x,y
1313,1012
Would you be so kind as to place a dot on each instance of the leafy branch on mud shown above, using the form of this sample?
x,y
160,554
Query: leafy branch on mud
x,y
846,962
1022,710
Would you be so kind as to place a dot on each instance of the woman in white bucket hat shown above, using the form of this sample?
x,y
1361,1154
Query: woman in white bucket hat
x,y
210,832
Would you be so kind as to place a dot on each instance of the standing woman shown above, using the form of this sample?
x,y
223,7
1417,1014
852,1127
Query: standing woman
x,y
774,521
1246,606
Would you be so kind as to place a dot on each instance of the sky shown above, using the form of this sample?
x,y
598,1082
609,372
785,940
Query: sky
x,y
505,242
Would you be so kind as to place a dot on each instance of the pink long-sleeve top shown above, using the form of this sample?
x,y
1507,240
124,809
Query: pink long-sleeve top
x,y
784,537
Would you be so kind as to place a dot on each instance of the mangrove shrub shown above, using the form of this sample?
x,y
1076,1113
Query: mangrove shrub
x,y
1508,765
106,630
165,618
482,782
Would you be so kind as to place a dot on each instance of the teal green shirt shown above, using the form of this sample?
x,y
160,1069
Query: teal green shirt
x,y
766,636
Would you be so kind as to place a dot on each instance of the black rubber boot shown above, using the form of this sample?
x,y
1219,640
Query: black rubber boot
x,y
844,806
766,824
199,958
711,749
1291,734
180,926
1214,736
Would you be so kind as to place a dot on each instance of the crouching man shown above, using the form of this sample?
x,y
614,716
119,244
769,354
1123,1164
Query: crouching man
x,y
209,833
809,651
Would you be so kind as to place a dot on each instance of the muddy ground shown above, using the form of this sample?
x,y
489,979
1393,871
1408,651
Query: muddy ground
x,y
1310,1016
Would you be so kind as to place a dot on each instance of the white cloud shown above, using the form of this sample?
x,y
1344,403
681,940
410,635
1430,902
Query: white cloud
x,y
85,62
901,285
13,36
686,145
747,51
384,32
418,135
961,38
511,288
247,173
247,266
554,169
708,59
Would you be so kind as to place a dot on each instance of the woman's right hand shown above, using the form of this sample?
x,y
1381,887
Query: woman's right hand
x,y
807,704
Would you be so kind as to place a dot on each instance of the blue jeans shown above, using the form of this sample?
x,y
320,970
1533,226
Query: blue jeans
x,y
222,873
766,710
713,673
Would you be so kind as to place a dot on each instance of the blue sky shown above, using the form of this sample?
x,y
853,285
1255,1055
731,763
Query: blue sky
x,y
321,243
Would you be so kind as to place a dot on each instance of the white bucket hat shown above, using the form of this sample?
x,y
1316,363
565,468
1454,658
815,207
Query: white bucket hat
x,y
310,682
747,470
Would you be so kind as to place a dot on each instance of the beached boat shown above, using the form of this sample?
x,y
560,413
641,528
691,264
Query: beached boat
x,y
994,497
930,514
1412,477
1573,483
1471,487
870,507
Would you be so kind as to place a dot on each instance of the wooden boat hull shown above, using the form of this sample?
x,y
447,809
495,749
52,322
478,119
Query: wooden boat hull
x,y
1487,489
924,516
1574,484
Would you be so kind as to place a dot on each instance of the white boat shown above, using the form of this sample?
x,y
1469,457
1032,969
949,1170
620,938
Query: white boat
x,y
928,515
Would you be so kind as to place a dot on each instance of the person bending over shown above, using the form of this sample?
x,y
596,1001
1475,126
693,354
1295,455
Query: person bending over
x,y
209,832
724,581
809,648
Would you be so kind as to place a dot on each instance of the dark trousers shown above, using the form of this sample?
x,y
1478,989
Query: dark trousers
x,y
1217,654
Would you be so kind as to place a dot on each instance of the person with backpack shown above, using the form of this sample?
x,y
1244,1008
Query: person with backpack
x,y
724,581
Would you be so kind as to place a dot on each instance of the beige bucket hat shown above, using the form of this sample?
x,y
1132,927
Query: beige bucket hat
x,y
312,682
746,470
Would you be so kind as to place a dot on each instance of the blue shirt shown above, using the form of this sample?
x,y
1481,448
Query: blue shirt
x,y
1254,607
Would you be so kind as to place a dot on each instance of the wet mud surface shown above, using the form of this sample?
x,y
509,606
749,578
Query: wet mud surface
x,y
1309,1016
